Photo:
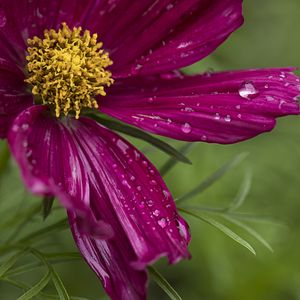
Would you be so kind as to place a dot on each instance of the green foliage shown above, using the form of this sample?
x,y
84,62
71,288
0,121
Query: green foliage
x,y
214,177
164,284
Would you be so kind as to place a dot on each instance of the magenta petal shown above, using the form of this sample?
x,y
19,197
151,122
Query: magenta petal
x,y
224,107
50,164
106,184
110,260
157,36
138,196
13,98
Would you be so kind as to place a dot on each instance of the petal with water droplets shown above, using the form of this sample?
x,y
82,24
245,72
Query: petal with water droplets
x,y
224,107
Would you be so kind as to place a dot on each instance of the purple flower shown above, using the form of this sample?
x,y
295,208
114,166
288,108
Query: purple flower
x,y
121,213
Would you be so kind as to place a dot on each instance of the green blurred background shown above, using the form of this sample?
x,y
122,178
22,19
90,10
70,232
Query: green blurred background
x,y
220,269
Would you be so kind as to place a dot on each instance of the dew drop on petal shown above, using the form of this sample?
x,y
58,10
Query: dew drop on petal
x,y
217,116
186,128
153,182
156,213
188,109
248,90
227,118
162,222
15,128
166,194
270,98
296,98
150,100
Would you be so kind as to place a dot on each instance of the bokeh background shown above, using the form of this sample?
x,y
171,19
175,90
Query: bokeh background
x,y
220,269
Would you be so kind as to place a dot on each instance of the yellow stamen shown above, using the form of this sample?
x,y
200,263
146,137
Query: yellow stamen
x,y
67,69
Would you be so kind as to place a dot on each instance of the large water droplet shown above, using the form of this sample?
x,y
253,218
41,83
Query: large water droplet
x,y
186,128
248,90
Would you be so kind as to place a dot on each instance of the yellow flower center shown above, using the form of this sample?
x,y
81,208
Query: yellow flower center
x,y
67,69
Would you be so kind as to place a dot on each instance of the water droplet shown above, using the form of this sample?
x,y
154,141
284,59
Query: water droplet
x,y
162,222
217,116
170,6
166,194
156,213
124,182
186,128
139,188
248,90
270,98
238,107
150,202
153,182
188,109
25,144
239,116
227,118
296,98
132,178
281,104
203,138
15,128
282,75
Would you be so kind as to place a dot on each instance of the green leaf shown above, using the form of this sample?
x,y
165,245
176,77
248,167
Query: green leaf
x,y
47,206
35,265
139,134
242,193
171,162
58,226
213,177
251,231
237,215
60,288
37,288
10,262
20,218
222,228
164,284
45,296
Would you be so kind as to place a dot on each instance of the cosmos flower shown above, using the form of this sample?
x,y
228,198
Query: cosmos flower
x,y
59,58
